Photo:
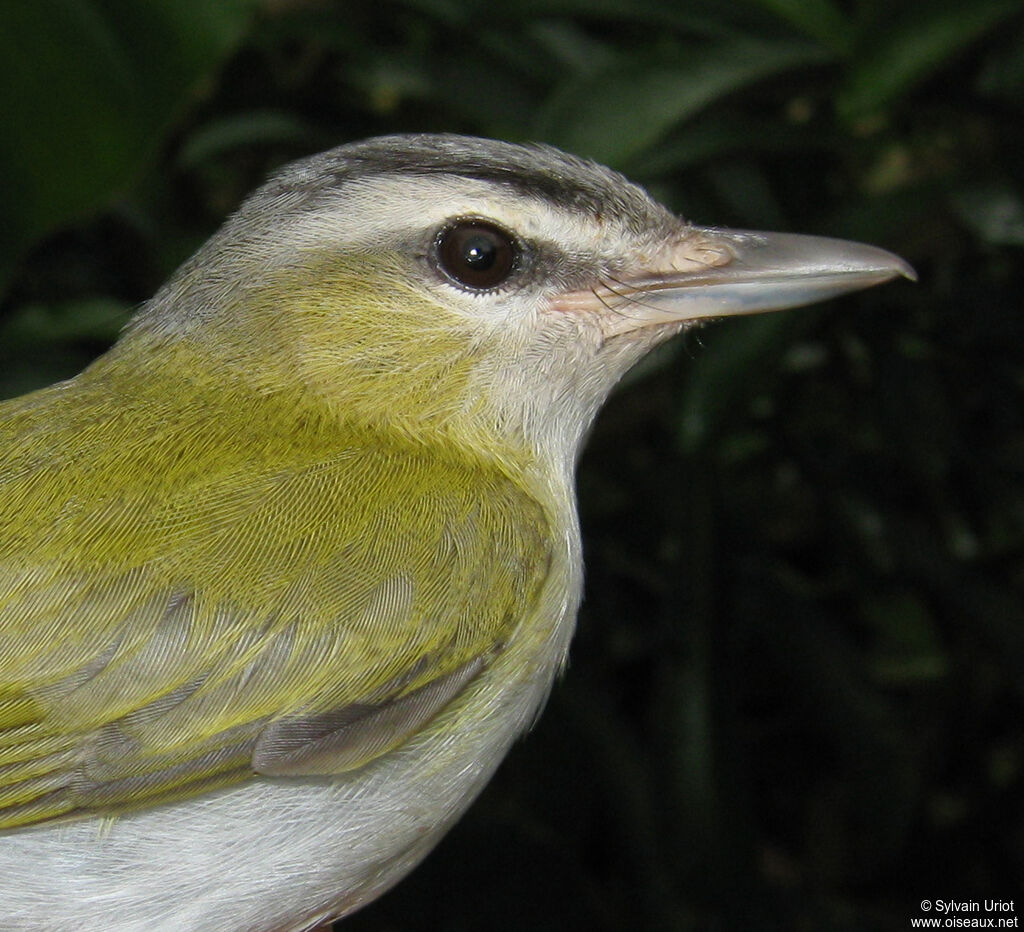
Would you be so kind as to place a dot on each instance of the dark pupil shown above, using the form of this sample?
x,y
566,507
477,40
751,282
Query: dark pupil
x,y
476,254
479,252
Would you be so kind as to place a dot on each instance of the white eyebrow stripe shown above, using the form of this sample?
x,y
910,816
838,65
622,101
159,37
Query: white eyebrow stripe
x,y
384,209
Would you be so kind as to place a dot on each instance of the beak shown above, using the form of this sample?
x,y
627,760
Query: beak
x,y
722,273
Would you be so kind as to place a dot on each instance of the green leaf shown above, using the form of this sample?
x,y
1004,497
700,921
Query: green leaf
x,y
907,50
621,111
1002,74
87,88
693,16
818,19
238,131
86,319
42,343
719,134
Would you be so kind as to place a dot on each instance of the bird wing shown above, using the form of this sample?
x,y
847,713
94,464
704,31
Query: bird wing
x,y
175,616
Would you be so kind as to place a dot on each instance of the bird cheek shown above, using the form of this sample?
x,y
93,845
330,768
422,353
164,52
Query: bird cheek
x,y
604,309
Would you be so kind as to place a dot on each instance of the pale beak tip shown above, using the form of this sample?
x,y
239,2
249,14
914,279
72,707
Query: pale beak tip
x,y
905,269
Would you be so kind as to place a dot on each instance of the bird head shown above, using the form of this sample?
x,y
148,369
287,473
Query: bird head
x,y
488,292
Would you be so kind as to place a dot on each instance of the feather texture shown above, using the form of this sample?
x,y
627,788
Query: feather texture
x,y
284,573
218,586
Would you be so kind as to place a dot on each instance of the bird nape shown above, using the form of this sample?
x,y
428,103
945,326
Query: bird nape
x,y
286,571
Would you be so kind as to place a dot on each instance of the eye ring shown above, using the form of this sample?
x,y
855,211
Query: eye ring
x,y
476,254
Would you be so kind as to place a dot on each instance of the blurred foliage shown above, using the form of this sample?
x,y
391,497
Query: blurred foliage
x,y
796,692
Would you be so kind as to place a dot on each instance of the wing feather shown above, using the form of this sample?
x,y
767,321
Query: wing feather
x,y
168,630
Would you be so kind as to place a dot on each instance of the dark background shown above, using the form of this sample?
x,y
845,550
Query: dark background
x,y
795,697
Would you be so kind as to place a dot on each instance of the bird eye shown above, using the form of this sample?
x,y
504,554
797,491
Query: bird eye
x,y
476,254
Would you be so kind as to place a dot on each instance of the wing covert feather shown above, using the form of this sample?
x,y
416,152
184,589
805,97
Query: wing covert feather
x,y
154,628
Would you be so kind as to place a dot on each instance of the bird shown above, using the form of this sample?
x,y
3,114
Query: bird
x,y
286,571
